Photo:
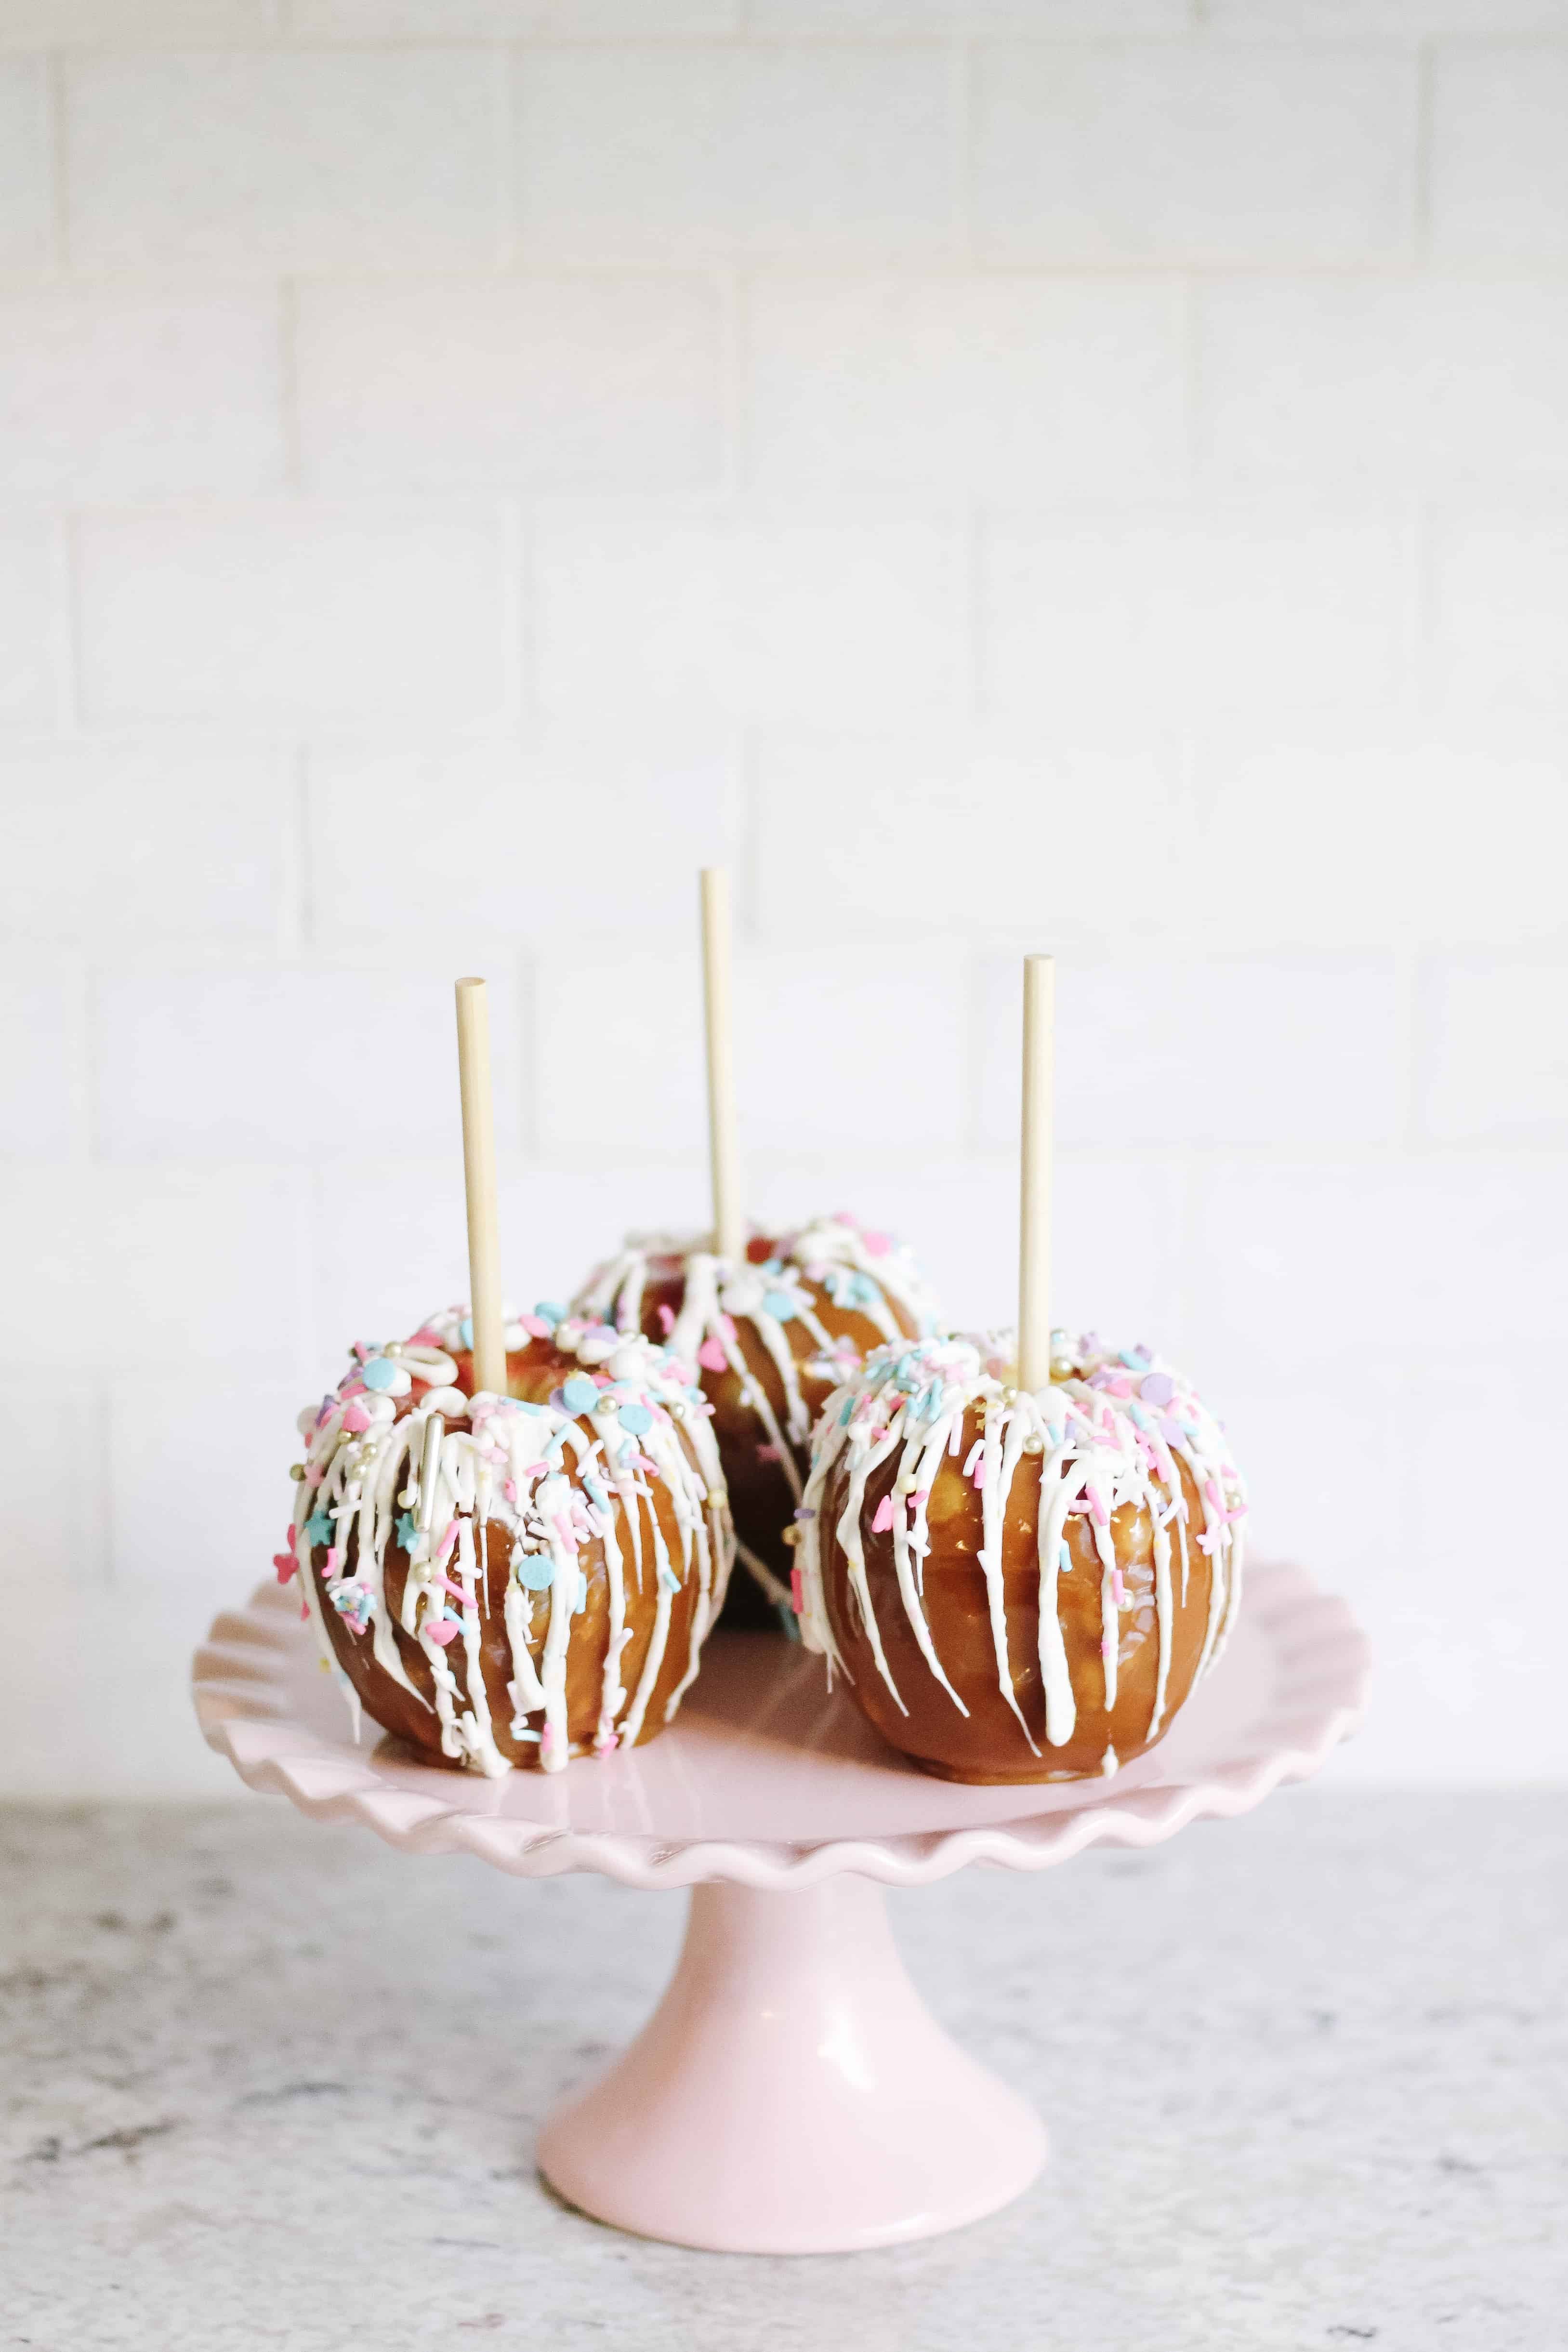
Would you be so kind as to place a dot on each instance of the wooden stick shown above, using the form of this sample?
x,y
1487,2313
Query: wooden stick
x,y
1034,1194
728,1231
479,1182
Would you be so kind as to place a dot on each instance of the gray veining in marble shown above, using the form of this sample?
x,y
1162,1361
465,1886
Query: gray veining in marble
x,y
266,2083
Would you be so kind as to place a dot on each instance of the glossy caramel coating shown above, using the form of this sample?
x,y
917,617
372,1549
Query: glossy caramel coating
x,y
761,1499
532,1372
987,1747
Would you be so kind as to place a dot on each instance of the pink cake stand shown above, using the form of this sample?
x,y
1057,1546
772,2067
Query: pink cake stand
x,y
791,2093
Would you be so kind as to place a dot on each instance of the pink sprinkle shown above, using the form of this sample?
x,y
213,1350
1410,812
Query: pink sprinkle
x,y
286,1564
1211,1489
334,1559
884,1518
797,1592
448,1544
711,1356
356,1418
1118,1590
921,1495
444,1630
727,1325
455,1589
510,1490
1106,1648
768,1453
1102,1516
1242,1514
876,1244
534,1326
666,1325
973,1456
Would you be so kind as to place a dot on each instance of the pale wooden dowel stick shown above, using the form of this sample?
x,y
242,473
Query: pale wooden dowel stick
x,y
1034,1197
728,1233
479,1182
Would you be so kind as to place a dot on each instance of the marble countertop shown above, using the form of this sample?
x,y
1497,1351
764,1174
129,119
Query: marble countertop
x,y
1306,2077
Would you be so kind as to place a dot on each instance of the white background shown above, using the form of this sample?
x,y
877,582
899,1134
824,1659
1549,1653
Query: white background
x,y
1088,474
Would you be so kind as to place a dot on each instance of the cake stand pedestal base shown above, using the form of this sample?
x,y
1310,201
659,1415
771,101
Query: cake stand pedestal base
x,y
791,2093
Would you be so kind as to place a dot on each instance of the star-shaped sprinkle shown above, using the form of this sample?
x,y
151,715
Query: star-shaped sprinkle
x,y
407,1533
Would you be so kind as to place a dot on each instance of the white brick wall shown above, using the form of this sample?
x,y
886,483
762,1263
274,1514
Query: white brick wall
x,y
1088,473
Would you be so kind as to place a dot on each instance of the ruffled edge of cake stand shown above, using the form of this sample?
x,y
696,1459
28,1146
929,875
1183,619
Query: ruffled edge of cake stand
x,y
240,1678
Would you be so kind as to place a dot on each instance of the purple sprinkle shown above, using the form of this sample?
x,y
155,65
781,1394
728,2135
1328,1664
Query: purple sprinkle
x,y
1156,1388
1171,1429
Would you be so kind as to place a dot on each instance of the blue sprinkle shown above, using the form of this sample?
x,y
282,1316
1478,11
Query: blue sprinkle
x,y
407,1533
535,1571
595,1492
1063,1556
318,1527
580,1604
780,1305
379,1373
844,1416
636,1418
695,1396
523,1405
465,1332
579,1395
548,1312
668,1579
863,1291
771,1265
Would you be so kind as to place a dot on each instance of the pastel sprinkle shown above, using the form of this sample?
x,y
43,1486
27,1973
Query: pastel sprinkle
x,y
536,1572
884,1518
535,1326
1157,1389
318,1527
711,1356
356,1418
667,1320
780,1305
578,1394
286,1564
443,1630
636,1418
382,1373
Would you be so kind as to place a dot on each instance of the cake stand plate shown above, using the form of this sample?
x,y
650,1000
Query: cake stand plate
x,y
791,2093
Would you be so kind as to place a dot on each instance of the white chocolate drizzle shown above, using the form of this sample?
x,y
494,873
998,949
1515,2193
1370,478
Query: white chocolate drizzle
x,y
626,1420
1110,1433
862,1271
